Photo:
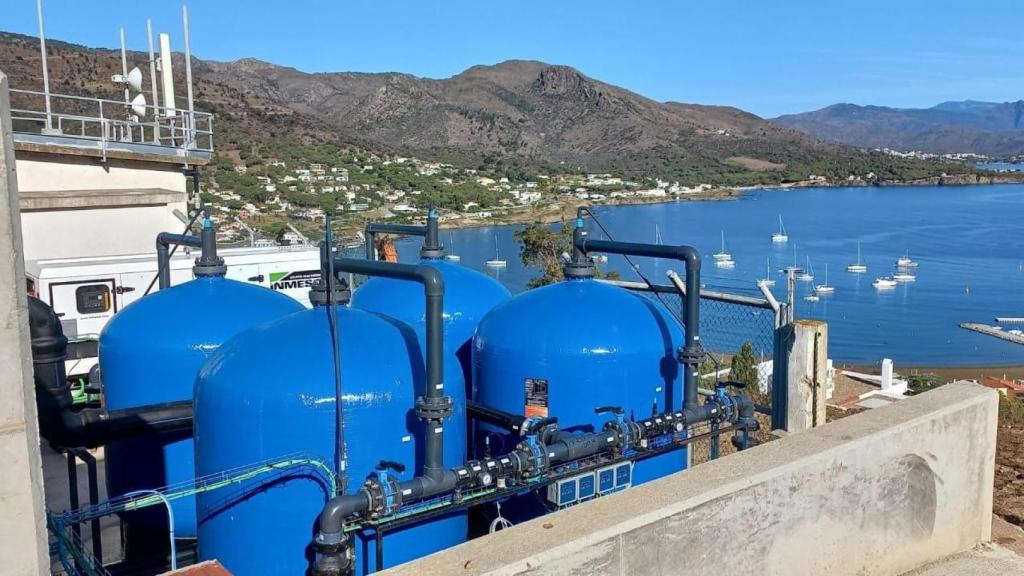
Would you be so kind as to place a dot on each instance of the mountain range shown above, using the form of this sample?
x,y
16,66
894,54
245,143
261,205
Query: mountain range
x,y
515,113
990,128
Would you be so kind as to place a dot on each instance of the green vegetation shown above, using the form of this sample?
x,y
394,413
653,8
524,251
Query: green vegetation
x,y
1011,411
919,383
542,248
744,366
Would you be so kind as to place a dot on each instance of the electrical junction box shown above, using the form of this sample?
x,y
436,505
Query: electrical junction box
x,y
563,492
586,486
614,478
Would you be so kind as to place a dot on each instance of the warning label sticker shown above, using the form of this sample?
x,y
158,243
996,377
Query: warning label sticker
x,y
536,397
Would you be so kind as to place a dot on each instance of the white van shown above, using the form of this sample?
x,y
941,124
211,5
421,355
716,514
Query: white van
x,y
87,292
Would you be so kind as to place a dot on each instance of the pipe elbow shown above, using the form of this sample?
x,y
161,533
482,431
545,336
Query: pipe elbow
x,y
332,517
689,255
432,278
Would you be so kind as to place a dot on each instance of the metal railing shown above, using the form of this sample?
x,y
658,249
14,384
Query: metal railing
x,y
109,124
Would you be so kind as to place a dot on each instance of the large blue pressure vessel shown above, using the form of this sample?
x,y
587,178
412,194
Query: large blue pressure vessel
x,y
468,296
286,410
150,353
568,348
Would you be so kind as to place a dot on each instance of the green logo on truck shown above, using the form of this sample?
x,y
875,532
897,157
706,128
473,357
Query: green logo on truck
x,y
293,280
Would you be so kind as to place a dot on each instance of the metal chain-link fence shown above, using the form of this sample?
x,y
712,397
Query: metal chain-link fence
x,y
731,326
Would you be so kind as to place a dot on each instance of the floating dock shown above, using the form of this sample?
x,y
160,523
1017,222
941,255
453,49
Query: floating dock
x,y
994,331
1009,319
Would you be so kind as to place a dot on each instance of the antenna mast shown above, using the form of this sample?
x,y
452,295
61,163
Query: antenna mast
x,y
46,71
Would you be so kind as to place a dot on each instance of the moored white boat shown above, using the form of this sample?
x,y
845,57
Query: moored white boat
x,y
884,283
780,236
824,288
722,255
857,267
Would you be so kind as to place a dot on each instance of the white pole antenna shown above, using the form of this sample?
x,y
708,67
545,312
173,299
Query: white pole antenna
x,y
188,80
167,75
46,71
152,62
124,68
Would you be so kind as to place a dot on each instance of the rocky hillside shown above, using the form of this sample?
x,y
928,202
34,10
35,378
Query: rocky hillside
x,y
990,128
517,113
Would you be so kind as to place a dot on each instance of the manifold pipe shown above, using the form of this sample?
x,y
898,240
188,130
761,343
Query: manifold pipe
x,y
434,398
62,425
431,245
164,241
690,257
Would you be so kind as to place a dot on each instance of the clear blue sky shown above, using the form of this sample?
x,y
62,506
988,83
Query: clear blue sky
x,y
766,56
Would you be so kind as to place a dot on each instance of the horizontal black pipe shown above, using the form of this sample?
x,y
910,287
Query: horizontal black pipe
x,y
484,413
64,426
431,245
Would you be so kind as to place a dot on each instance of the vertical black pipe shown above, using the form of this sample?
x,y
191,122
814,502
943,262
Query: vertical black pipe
x,y
434,406
164,240
691,354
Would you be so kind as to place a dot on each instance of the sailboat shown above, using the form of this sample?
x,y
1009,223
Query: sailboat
x,y
902,275
808,274
824,288
496,262
793,268
780,236
722,255
857,267
905,261
451,257
767,280
812,296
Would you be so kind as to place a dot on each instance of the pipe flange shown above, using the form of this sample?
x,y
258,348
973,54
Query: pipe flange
x,y
433,408
688,355
318,293
580,269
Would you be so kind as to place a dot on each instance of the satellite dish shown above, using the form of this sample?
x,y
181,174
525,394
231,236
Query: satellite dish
x,y
134,79
139,105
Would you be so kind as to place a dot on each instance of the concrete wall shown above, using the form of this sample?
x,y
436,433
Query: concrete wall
x,y
53,172
23,547
878,493
97,231
74,203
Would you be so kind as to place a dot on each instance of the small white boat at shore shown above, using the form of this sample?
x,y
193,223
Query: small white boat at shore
x,y
884,283
780,237
857,267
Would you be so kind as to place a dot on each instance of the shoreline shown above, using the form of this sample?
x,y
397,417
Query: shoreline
x,y
563,210
969,372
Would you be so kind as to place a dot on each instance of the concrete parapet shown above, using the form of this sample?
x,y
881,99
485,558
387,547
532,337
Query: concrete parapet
x,y
23,548
878,493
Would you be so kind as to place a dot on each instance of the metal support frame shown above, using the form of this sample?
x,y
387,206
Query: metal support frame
x,y
74,454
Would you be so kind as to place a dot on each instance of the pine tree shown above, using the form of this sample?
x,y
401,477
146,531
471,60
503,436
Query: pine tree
x,y
744,366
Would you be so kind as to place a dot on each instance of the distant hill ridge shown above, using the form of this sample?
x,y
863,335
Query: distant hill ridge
x,y
518,113
991,128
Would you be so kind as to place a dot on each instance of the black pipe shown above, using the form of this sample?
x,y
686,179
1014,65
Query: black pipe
x,y
434,406
432,247
506,420
541,450
58,421
164,240
691,354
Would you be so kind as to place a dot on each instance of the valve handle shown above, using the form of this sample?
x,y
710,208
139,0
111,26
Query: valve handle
x,y
391,465
731,384
617,410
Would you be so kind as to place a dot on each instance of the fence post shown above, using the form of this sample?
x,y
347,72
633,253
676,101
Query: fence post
x,y
798,402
